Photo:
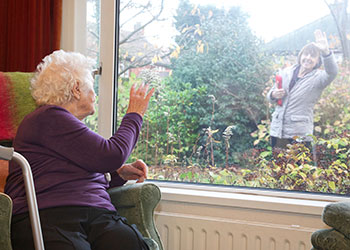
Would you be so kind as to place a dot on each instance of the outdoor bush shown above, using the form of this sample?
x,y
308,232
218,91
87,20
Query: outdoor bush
x,y
209,121
298,168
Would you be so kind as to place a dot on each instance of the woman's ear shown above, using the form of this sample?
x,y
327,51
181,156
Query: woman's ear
x,y
76,91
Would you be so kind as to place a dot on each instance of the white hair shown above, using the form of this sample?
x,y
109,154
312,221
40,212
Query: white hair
x,y
56,75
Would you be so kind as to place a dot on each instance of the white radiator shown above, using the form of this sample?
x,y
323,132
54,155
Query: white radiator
x,y
211,220
181,232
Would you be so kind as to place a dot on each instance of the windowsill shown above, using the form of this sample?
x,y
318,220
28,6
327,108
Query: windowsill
x,y
249,198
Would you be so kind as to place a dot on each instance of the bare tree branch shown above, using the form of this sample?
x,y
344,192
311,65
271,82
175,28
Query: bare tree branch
x,y
340,16
143,8
139,64
127,5
94,34
154,18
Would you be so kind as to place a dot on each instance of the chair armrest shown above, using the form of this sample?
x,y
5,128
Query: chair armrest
x,y
337,215
137,202
5,221
329,239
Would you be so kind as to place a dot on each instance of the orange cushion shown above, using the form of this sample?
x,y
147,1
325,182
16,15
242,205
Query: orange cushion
x,y
4,171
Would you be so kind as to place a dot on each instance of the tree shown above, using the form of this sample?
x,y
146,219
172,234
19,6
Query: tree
x,y
220,53
93,30
135,51
338,10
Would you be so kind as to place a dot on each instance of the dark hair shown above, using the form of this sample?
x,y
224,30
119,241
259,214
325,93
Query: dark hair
x,y
311,49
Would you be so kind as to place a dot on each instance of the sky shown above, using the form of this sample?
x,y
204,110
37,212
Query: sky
x,y
269,19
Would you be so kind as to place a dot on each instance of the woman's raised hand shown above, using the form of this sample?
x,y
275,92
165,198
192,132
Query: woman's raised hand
x,y
321,42
139,99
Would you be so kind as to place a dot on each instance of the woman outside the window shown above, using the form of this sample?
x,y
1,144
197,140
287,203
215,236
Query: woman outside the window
x,y
302,86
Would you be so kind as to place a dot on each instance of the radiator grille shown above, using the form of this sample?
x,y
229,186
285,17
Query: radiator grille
x,y
183,232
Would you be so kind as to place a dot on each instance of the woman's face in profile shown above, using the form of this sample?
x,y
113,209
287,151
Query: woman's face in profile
x,y
86,104
308,61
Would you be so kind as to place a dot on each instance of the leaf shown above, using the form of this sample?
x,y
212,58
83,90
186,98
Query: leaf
x,y
174,54
189,175
303,175
198,31
331,184
224,172
155,59
194,10
200,48
265,153
318,129
185,29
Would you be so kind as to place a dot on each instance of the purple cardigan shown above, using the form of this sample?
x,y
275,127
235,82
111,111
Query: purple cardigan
x,y
68,160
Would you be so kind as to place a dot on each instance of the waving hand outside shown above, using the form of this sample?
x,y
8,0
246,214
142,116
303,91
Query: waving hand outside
x,y
321,42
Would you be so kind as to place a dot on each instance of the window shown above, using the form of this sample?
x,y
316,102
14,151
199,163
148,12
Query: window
x,y
81,24
213,63
93,51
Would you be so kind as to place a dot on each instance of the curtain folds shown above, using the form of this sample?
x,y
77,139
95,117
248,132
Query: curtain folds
x,y
29,30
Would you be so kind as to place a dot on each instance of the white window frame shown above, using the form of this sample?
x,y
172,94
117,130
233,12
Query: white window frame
x,y
74,39
73,16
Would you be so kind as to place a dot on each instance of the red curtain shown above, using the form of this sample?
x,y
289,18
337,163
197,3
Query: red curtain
x,y
29,30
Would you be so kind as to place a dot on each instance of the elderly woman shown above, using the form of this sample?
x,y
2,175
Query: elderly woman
x,y
71,163
302,86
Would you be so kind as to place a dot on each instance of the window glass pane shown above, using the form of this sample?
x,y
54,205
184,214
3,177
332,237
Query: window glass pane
x,y
219,114
93,51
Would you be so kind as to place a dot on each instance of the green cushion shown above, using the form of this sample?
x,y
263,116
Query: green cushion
x,y
337,216
5,221
329,239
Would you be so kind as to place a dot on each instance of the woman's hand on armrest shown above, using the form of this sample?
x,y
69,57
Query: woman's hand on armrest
x,y
137,170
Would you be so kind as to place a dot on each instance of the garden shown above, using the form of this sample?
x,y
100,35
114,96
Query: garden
x,y
208,121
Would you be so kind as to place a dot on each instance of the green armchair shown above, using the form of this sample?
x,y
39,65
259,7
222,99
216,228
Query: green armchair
x,y
136,202
5,221
337,237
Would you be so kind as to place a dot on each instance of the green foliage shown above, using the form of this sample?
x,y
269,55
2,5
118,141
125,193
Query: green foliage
x,y
298,168
219,52
168,133
209,121
332,112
